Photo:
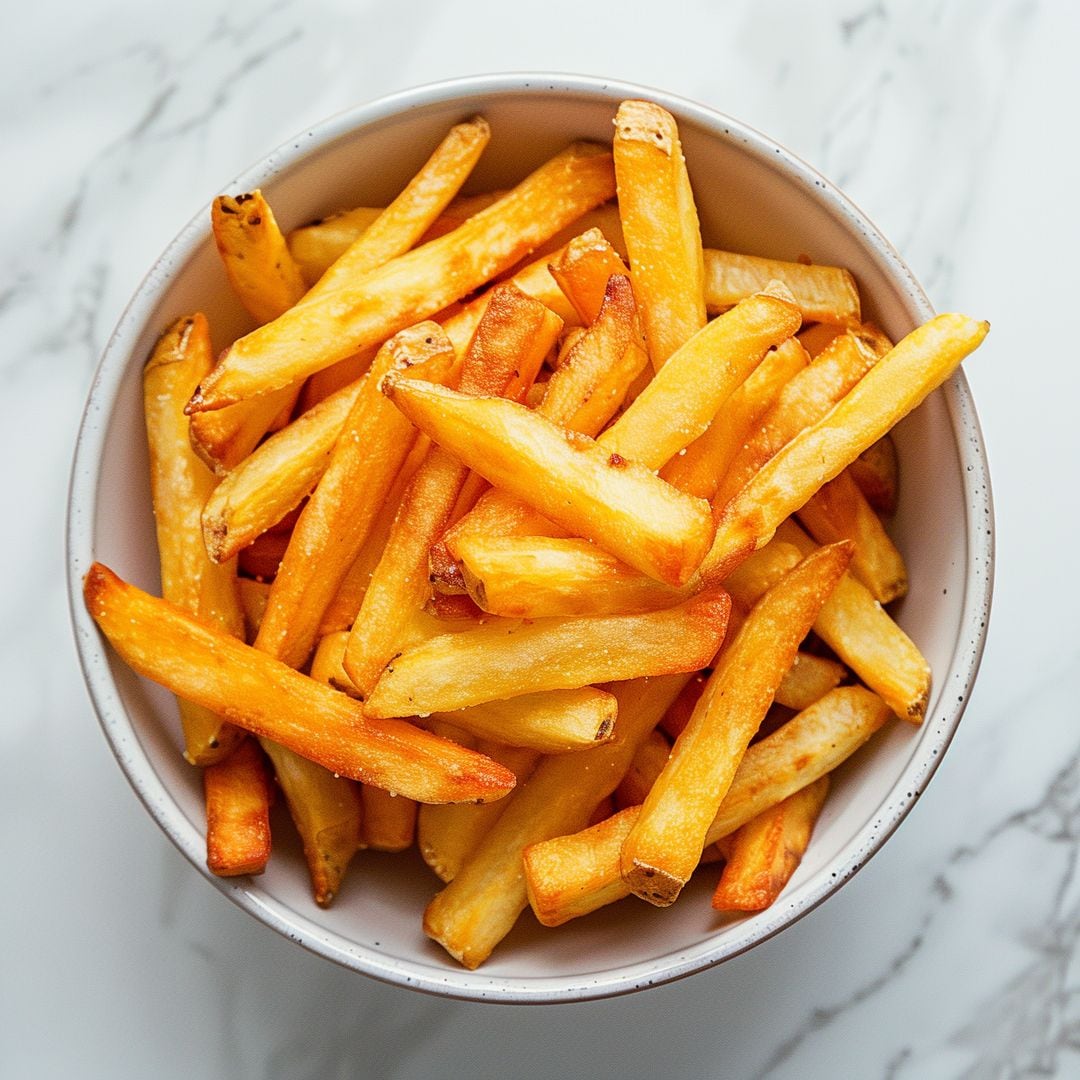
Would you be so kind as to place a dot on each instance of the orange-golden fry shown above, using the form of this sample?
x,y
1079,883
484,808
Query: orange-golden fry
x,y
180,484
877,472
665,845
413,286
454,671
572,875
766,851
238,796
660,226
621,505
647,765
389,820
268,698
808,680
583,269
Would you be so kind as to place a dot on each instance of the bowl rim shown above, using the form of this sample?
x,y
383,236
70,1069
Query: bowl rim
x,y
952,688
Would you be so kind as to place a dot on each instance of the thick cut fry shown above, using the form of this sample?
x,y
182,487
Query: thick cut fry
x,y
648,764
840,511
448,834
584,268
681,401
413,286
825,294
805,399
808,679
480,906
180,484
817,337
865,637
885,394
238,796
327,539
660,226
455,671
268,698
619,504
767,850
877,472
700,469
665,845
389,820
506,352
536,577
573,875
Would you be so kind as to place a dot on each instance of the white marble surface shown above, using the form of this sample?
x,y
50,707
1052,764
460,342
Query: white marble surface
x,y
954,952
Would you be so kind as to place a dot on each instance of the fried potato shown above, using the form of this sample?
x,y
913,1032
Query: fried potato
x,y
877,472
238,797
389,820
583,269
808,680
454,671
648,763
192,659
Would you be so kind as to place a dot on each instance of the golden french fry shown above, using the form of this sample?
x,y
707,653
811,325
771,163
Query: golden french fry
x,y
877,472
767,850
315,247
619,504
665,845
700,469
413,286
268,698
333,526
660,226
808,679
840,511
238,797
480,906
824,294
389,820
572,875
253,597
510,343
647,765
885,394
180,484
583,269
454,671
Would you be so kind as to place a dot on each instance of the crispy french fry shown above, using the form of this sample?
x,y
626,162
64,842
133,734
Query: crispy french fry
x,y
315,247
619,504
816,337
665,845
180,484
455,671
647,765
328,537
573,875
808,679
877,472
253,597
506,352
262,557
885,394
699,376
700,469
840,511
389,820
480,906
825,294
767,851
413,286
660,226
268,698
583,269
238,797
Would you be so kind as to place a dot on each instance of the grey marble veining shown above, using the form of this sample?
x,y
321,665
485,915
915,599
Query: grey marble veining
x,y
953,953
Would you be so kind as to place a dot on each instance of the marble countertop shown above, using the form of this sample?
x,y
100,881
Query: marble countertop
x,y
953,953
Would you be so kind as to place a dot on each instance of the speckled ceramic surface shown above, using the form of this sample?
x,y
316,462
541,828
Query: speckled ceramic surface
x,y
753,196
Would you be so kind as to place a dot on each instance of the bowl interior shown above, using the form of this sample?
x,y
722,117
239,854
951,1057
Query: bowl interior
x,y
753,197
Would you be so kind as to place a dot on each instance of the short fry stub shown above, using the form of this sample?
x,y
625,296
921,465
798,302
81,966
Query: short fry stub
x,y
238,796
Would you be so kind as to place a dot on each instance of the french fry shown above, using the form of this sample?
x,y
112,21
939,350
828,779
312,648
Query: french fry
x,y
371,450
238,797
877,471
389,820
768,849
840,511
180,484
315,247
818,336
572,875
454,671
648,763
660,226
448,834
619,504
665,845
262,557
253,597
700,469
583,269
824,294
506,352
885,394
699,376
480,906
413,286
808,679
192,659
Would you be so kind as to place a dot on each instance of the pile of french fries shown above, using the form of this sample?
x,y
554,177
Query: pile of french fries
x,y
523,530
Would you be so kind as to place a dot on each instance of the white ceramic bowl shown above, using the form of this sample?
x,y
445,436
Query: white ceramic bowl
x,y
753,196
